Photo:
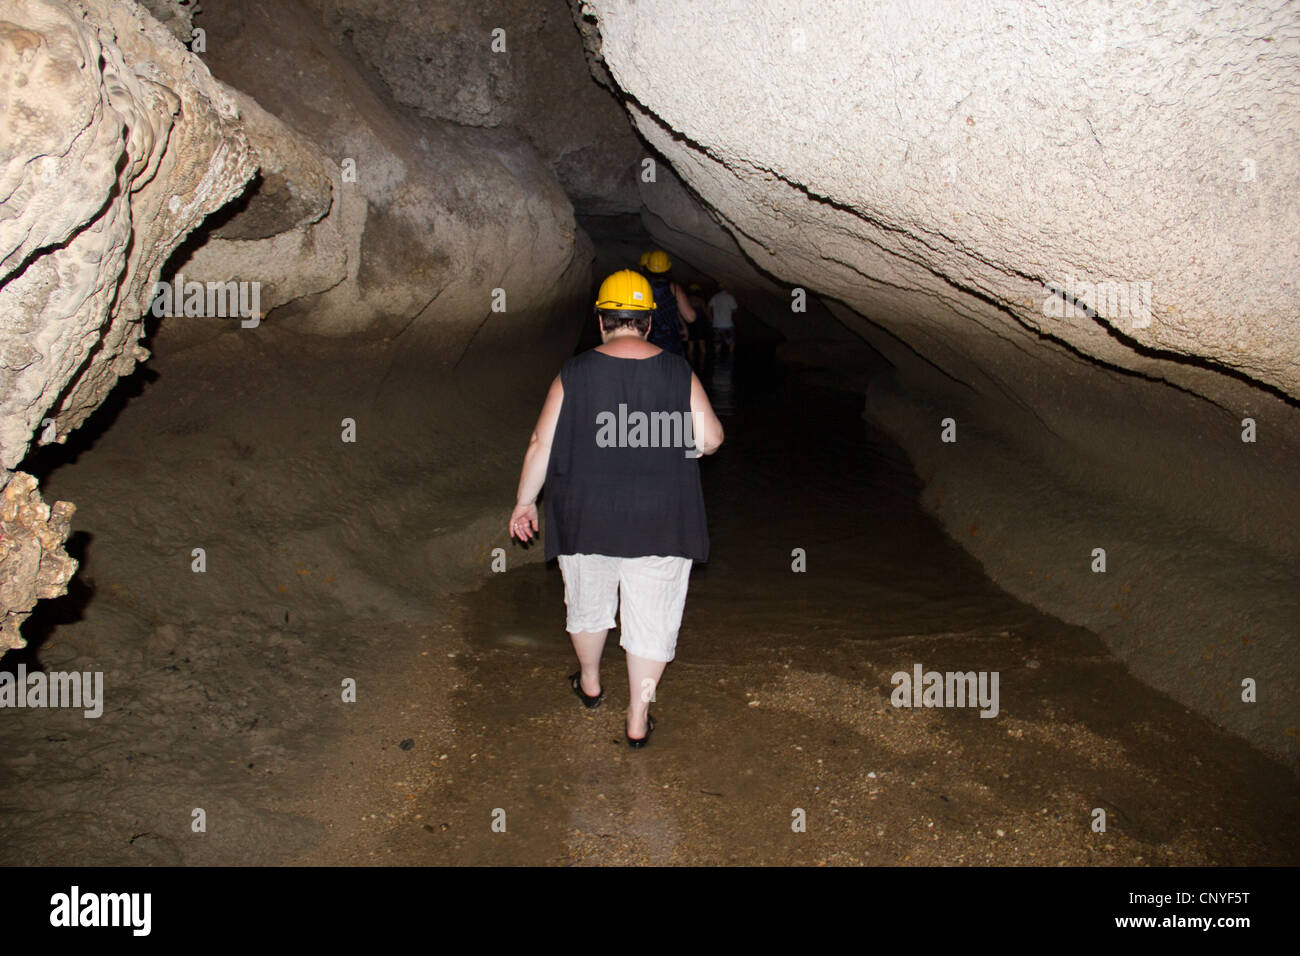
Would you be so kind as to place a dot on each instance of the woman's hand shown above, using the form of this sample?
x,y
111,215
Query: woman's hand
x,y
523,522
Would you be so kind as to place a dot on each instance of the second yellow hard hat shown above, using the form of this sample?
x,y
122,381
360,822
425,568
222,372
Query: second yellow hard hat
x,y
658,261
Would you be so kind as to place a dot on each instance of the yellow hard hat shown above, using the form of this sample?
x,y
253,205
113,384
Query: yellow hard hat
x,y
645,257
658,261
626,289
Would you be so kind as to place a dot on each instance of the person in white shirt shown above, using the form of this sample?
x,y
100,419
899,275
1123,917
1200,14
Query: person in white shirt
x,y
722,305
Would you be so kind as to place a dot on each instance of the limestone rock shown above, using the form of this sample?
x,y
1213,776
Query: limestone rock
x,y
32,562
433,217
680,222
114,144
448,61
296,231
176,15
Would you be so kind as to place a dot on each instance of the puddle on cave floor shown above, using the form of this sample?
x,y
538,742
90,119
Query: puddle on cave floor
x,y
778,701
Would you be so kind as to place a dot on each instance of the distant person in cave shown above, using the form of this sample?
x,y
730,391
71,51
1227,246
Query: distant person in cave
x,y
699,334
624,518
722,308
673,311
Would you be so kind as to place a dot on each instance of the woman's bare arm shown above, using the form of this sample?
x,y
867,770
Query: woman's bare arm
x,y
523,521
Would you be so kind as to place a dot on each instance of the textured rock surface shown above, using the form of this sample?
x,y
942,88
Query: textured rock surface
x,y
930,173
114,143
176,15
32,563
678,221
296,231
434,216
440,60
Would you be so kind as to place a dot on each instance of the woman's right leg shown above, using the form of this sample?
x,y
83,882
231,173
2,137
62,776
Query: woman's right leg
x,y
653,591
642,679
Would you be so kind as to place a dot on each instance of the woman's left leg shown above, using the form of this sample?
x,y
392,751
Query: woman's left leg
x,y
591,596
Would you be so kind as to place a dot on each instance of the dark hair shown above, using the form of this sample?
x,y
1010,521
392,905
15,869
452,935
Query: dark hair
x,y
611,319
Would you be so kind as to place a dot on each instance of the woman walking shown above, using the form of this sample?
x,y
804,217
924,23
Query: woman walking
x,y
617,446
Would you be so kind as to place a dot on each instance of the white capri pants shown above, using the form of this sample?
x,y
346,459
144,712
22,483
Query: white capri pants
x,y
653,596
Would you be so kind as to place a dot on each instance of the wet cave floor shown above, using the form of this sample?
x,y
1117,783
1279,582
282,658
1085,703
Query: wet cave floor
x,y
776,739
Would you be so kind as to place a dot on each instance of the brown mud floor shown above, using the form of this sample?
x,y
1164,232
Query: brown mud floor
x,y
223,691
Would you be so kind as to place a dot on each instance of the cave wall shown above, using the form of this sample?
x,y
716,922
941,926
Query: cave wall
x,y
433,216
114,143
934,173
680,222
512,63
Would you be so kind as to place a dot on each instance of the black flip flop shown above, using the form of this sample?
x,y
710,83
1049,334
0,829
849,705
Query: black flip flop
x,y
636,743
591,703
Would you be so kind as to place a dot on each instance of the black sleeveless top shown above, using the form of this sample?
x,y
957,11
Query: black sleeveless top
x,y
619,481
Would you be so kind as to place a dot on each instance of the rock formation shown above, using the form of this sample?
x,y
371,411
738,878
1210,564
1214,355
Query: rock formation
x,y
114,143
401,222
518,64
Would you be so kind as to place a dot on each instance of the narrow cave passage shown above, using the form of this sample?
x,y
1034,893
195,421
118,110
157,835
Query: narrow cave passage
x,y
779,698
